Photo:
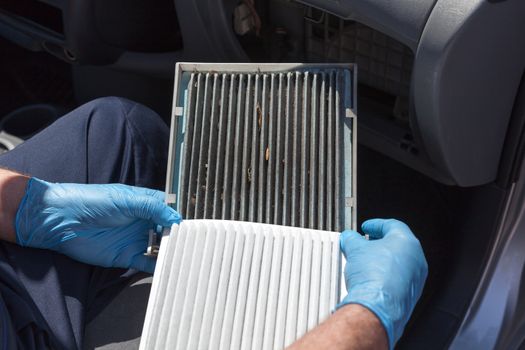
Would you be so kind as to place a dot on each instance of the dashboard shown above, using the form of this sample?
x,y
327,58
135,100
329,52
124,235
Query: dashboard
x,y
465,73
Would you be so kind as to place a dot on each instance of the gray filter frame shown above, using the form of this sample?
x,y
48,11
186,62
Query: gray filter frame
x,y
268,143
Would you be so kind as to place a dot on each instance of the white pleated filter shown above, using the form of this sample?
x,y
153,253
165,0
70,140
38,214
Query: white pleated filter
x,y
238,285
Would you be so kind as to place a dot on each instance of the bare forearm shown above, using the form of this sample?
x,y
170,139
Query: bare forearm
x,y
351,327
12,189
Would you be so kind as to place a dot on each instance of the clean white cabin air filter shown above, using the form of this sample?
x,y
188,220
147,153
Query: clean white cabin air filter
x,y
237,285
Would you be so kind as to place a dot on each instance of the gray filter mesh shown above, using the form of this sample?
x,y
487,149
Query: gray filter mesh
x,y
265,147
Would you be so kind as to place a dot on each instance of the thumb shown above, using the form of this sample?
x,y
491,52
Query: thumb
x,y
381,228
150,208
349,240
375,228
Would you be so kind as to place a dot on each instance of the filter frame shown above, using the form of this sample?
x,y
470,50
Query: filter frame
x,y
349,116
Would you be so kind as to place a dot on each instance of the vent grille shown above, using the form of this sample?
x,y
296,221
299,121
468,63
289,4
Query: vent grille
x,y
384,63
240,285
267,147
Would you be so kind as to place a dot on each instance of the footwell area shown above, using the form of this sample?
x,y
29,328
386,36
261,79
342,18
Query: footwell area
x,y
455,226
387,189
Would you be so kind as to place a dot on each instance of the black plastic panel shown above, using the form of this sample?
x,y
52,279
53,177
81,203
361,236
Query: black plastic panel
x,y
138,25
38,12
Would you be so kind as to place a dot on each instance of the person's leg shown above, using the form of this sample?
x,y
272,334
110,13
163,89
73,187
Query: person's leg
x,y
119,325
107,140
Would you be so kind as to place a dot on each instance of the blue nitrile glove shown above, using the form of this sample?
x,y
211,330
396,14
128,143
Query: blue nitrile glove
x,y
385,274
105,225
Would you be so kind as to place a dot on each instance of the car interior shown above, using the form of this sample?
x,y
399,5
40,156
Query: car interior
x,y
440,82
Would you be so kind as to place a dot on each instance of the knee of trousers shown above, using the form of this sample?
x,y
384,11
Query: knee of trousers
x,y
143,124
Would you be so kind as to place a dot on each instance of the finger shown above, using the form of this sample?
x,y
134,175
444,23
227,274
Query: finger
x,y
149,208
349,240
143,191
381,228
144,263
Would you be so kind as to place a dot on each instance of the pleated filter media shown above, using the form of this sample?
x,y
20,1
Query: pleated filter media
x,y
222,284
268,143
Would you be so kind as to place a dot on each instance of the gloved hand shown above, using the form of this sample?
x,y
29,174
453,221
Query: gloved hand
x,y
105,225
385,274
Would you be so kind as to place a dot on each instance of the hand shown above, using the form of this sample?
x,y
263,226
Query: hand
x,y
386,274
104,225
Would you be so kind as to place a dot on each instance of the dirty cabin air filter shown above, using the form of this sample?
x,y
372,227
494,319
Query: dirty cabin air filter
x,y
267,143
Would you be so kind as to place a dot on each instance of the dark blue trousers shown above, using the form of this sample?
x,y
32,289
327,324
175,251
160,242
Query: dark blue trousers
x,y
47,298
